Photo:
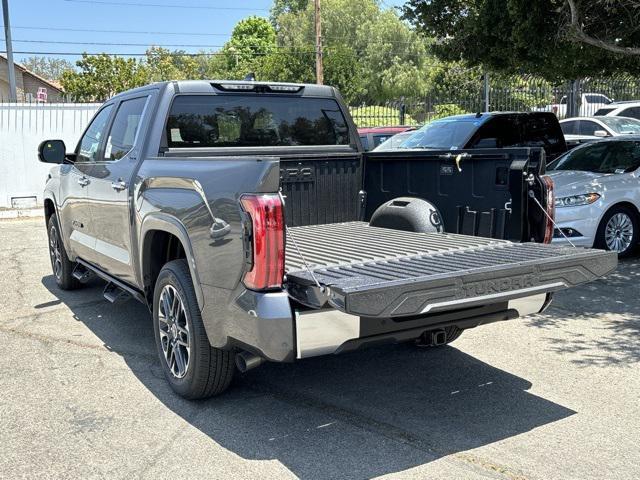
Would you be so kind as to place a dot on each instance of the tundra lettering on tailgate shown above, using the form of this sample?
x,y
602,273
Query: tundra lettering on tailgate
x,y
489,287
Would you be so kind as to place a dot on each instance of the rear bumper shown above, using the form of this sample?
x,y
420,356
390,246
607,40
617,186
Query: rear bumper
x,y
266,324
331,331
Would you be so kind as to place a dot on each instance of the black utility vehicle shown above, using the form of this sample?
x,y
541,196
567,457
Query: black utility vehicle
x,y
249,220
492,130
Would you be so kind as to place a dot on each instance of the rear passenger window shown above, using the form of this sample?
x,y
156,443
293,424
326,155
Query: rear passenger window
x,y
124,129
540,131
588,128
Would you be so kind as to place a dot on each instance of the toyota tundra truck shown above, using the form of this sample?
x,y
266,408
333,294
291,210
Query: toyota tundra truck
x,y
248,218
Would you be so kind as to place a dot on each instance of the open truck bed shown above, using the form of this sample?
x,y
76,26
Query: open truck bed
x,y
380,272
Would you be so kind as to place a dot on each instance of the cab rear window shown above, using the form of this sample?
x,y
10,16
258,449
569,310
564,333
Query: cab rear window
x,y
210,121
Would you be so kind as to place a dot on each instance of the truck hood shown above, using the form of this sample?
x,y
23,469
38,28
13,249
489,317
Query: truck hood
x,y
575,182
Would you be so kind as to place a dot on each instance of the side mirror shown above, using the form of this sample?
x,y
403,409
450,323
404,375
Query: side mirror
x,y
600,133
52,151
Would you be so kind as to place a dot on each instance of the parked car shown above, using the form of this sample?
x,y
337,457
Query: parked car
x,y
593,128
491,130
371,137
629,109
181,194
394,142
597,188
574,140
588,104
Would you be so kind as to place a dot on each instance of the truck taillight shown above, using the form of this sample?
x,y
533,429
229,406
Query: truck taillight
x,y
267,241
550,207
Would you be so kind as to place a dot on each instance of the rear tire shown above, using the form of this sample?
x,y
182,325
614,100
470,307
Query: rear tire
x,y
193,368
61,266
619,231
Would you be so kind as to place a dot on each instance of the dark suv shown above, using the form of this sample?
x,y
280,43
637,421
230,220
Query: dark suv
x,y
492,130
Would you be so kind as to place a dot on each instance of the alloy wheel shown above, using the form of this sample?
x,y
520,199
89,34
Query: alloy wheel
x,y
618,233
174,331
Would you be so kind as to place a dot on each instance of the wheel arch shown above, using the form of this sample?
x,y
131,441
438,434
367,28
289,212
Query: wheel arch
x,y
158,237
624,203
620,203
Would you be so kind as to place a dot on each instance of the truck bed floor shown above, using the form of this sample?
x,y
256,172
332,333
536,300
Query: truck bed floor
x,y
373,271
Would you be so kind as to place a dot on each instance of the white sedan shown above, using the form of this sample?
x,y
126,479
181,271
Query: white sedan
x,y
597,191
592,128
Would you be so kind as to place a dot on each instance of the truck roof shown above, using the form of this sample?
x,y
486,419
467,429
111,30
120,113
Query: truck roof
x,y
208,86
481,117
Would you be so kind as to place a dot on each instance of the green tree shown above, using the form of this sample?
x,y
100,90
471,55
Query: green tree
x,y
102,76
370,54
286,6
162,64
515,36
253,39
47,67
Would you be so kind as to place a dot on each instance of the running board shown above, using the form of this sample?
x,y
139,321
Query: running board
x,y
81,273
113,293
115,289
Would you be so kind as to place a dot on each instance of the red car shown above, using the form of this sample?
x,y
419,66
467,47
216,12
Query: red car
x,y
371,137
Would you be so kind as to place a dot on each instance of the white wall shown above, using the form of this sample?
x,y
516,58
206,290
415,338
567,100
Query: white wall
x,y
22,127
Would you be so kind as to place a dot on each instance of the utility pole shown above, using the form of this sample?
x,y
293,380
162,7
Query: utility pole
x,y
319,67
13,97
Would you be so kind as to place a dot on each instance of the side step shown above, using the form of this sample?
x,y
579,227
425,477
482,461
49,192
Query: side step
x,y
115,289
81,273
113,293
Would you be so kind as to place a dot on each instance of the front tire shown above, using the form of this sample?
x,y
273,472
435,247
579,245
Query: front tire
x,y
193,368
618,231
61,266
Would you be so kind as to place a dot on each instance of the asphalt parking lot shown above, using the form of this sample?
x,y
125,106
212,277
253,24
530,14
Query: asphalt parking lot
x,y
556,396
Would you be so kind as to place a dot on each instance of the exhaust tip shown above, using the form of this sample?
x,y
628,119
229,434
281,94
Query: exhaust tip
x,y
246,361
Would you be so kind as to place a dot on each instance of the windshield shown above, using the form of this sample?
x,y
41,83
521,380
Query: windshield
x,y
394,142
602,157
205,121
442,134
622,124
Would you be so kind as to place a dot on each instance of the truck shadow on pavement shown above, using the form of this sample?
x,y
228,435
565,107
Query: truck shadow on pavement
x,y
359,415
597,324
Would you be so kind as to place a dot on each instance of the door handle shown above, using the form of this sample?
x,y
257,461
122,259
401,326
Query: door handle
x,y
83,181
119,185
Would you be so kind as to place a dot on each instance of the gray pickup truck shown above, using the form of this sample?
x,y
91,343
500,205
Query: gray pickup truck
x,y
248,218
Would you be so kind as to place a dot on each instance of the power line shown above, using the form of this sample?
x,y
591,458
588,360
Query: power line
x,y
95,30
160,5
124,44
171,54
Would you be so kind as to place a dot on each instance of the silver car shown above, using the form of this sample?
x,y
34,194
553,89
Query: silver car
x,y
597,189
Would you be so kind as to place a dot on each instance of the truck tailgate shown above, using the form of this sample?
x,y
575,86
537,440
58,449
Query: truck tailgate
x,y
379,272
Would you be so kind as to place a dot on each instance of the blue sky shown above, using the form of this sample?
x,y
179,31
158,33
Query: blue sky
x,y
168,24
